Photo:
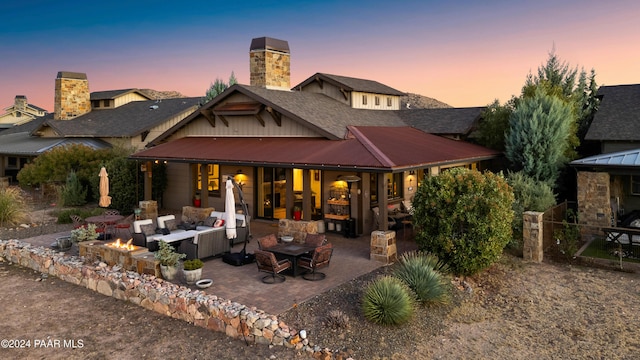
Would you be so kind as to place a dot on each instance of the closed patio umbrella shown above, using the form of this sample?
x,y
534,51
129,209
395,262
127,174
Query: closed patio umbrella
x,y
230,211
105,199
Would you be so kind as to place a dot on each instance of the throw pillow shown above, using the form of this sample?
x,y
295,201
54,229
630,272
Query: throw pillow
x,y
171,224
218,223
148,229
239,223
210,221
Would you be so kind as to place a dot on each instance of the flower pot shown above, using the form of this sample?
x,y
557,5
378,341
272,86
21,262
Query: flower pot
x,y
191,276
64,242
168,272
297,215
196,203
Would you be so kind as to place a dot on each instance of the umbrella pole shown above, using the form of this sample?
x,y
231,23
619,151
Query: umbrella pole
x,y
245,210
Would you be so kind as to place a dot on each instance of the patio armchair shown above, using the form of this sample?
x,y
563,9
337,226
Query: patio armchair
x,y
320,259
265,242
267,262
111,212
315,240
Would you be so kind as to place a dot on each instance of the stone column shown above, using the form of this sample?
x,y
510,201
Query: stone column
x,y
383,246
532,236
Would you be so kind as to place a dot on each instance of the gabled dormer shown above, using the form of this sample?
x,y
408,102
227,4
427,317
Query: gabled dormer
x,y
357,93
114,98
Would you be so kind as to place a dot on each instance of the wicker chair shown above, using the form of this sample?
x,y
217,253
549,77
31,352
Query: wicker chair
x,y
111,212
267,262
320,259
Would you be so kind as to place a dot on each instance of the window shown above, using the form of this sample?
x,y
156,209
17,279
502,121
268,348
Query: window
x,y
364,99
394,187
96,104
18,114
105,103
213,171
377,100
389,102
635,184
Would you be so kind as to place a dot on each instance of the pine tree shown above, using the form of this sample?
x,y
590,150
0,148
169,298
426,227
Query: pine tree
x,y
218,87
539,129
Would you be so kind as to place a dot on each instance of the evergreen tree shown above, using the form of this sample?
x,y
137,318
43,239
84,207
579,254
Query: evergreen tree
x,y
494,126
218,87
539,129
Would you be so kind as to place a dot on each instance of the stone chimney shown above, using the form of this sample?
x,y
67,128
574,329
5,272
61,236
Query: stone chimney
x,y
270,63
72,97
20,103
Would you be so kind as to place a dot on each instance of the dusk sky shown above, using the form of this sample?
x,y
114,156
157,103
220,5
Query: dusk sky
x,y
464,53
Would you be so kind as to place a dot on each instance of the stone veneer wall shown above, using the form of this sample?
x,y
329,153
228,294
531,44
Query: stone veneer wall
x,y
532,236
71,97
594,207
270,69
297,229
383,246
152,293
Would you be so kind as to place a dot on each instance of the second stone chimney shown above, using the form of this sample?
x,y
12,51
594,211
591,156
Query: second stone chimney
x,y
72,97
270,63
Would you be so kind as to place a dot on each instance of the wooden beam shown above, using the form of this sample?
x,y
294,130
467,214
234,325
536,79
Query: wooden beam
x,y
208,114
277,117
224,120
260,120
344,93
144,135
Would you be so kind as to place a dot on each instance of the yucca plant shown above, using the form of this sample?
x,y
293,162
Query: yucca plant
x,y
387,301
13,207
418,271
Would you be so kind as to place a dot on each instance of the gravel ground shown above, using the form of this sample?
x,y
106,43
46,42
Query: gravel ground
x,y
513,310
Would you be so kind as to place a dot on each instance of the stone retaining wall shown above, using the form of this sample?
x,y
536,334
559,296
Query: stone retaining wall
x,y
297,229
152,293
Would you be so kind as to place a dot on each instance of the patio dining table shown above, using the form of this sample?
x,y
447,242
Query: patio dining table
x,y
108,220
291,252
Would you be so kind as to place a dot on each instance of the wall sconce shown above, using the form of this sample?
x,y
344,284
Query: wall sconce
x,y
239,179
412,172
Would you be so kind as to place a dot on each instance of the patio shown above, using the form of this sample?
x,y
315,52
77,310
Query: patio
x,y
242,284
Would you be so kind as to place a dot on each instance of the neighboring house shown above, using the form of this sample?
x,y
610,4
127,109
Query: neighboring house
x,y
126,118
19,113
609,182
295,148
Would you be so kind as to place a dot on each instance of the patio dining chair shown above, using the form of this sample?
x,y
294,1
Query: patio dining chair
x,y
111,212
123,227
320,259
265,242
78,222
267,262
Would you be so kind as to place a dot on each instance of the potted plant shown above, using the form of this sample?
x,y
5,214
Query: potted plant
x,y
168,258
297,213
84,233
196,200
192,270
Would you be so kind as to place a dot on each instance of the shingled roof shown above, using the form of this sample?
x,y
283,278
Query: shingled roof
x,y
352,84
443,121
125,121
618,116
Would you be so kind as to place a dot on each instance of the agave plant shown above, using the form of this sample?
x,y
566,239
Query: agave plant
x,y
388,301
420,272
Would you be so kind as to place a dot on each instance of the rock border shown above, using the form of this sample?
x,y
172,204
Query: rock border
x,y
150,292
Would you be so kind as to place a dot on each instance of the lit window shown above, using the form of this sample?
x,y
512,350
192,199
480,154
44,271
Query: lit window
x,y
213,171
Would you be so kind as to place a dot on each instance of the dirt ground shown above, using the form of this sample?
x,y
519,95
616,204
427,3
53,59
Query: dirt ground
x,y
513,310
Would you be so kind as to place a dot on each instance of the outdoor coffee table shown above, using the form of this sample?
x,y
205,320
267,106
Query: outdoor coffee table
x,y
291,252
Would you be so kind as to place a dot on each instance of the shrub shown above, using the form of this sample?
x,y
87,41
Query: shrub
x,y
64,216
568,237
337,319
85,233
167,254
529,195
387,301
418,271
193,264
464,218
73,193
13,207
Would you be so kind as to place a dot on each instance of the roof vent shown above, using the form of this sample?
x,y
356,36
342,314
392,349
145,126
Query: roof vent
x,y
153,107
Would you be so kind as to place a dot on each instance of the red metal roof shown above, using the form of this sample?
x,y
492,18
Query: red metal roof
x,y
373,148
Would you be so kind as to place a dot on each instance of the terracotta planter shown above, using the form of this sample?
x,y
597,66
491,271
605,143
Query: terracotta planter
x,y
168,272
191,276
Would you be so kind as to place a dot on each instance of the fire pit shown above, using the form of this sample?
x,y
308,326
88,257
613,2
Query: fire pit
x,y
124,254
123,246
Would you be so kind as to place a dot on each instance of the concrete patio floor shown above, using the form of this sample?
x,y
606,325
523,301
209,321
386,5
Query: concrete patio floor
x,y
243,284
